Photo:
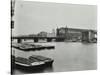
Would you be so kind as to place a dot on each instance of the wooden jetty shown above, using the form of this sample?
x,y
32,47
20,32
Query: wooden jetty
x,y
28,47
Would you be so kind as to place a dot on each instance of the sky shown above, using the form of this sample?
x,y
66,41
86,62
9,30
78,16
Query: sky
x,y
33,17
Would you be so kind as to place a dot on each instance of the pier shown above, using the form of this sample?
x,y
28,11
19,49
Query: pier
x,y
31,47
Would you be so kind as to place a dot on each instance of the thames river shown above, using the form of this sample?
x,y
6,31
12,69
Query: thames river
x,y
68,56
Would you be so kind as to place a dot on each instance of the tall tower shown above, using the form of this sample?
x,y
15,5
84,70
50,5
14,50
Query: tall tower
x,y
57,32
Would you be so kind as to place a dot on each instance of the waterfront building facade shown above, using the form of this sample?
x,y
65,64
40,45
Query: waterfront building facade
x,y
69,33
73,34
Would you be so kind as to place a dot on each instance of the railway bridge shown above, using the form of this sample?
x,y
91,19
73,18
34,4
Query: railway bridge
x,y
36,39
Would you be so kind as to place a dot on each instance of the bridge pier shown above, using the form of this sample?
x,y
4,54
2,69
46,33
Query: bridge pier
x,y
49,40
19,40
36,39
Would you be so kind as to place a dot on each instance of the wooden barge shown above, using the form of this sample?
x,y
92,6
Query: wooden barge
x,y
33,62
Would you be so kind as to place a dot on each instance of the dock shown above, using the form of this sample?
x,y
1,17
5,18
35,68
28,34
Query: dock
x,y
30,47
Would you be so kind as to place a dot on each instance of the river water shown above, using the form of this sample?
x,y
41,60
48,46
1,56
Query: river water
x,y
68,56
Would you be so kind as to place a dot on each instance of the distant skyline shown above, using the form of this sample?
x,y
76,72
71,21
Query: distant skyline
x,y
34,17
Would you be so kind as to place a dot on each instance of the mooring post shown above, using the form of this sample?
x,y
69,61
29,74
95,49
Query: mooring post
x,y
19,40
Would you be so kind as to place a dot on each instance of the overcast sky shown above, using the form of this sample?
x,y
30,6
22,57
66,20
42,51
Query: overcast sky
x,y
33,17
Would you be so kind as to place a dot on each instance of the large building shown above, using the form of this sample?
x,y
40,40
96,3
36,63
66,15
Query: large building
x,y
74,34
42,34
46,34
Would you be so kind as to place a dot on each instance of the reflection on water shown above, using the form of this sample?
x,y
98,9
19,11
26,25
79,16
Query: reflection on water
x,y
33,70
68,56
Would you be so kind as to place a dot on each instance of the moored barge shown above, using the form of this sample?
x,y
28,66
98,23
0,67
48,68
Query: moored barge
x,y
33,62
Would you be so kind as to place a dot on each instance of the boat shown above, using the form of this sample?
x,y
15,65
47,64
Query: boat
x,y
34,61
48,61
74,40
26,64
50,47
